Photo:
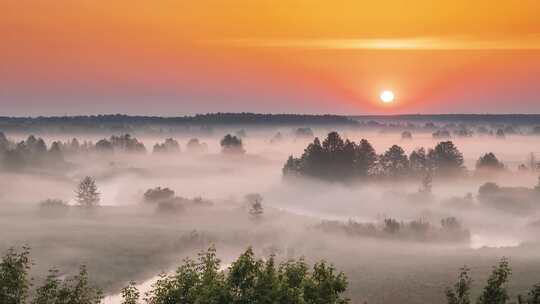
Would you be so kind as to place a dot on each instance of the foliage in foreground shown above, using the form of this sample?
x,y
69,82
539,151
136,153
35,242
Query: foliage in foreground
x,y
247,280
494,292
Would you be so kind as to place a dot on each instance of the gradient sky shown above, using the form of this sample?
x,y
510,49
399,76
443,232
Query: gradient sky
x,y
307,56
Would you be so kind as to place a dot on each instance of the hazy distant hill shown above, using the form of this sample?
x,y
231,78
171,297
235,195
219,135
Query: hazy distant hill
x,y
515,119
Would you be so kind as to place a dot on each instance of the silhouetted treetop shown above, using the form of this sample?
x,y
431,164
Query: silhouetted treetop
x,y
170,145
231,144
195,146
489,162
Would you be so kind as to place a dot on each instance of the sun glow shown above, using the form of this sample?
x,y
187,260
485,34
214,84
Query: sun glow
x,y
387,96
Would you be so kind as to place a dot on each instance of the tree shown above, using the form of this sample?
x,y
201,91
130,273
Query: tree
x,y
304,133
366,158
533,296
445,158
333,143
198,281
48,293
104,146
74,146
87,194
194,146
489,162
256,208
418,162
76,290
325,285
391,225
495,291
14,279
55,152
394,162
406,135
292,167
334,162
232,145
460,293
130,294
242,278
441,134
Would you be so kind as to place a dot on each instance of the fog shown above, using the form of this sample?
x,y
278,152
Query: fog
x,y
126,238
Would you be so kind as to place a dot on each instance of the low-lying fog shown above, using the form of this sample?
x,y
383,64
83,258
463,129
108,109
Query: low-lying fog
x,y
129,239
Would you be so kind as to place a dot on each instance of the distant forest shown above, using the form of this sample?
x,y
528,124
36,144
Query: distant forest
x,y
460,124
514,119
121,122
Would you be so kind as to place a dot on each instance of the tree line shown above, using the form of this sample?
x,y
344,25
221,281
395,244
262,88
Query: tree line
x,y
34,152
338,159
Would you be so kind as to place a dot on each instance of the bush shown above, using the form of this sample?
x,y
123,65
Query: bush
x,y
232,145
53,204
158,194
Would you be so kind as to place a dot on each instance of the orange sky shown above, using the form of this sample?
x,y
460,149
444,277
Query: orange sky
x,y
181,57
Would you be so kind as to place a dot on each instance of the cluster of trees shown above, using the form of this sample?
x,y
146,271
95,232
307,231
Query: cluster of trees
x,y
247,280
32,152
231,144
304,133
450,230
195,146
123,143
166,200
441,134
170,145
489,162
338,159
494,292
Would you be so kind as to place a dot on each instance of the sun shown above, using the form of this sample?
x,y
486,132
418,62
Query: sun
x,y
387,96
